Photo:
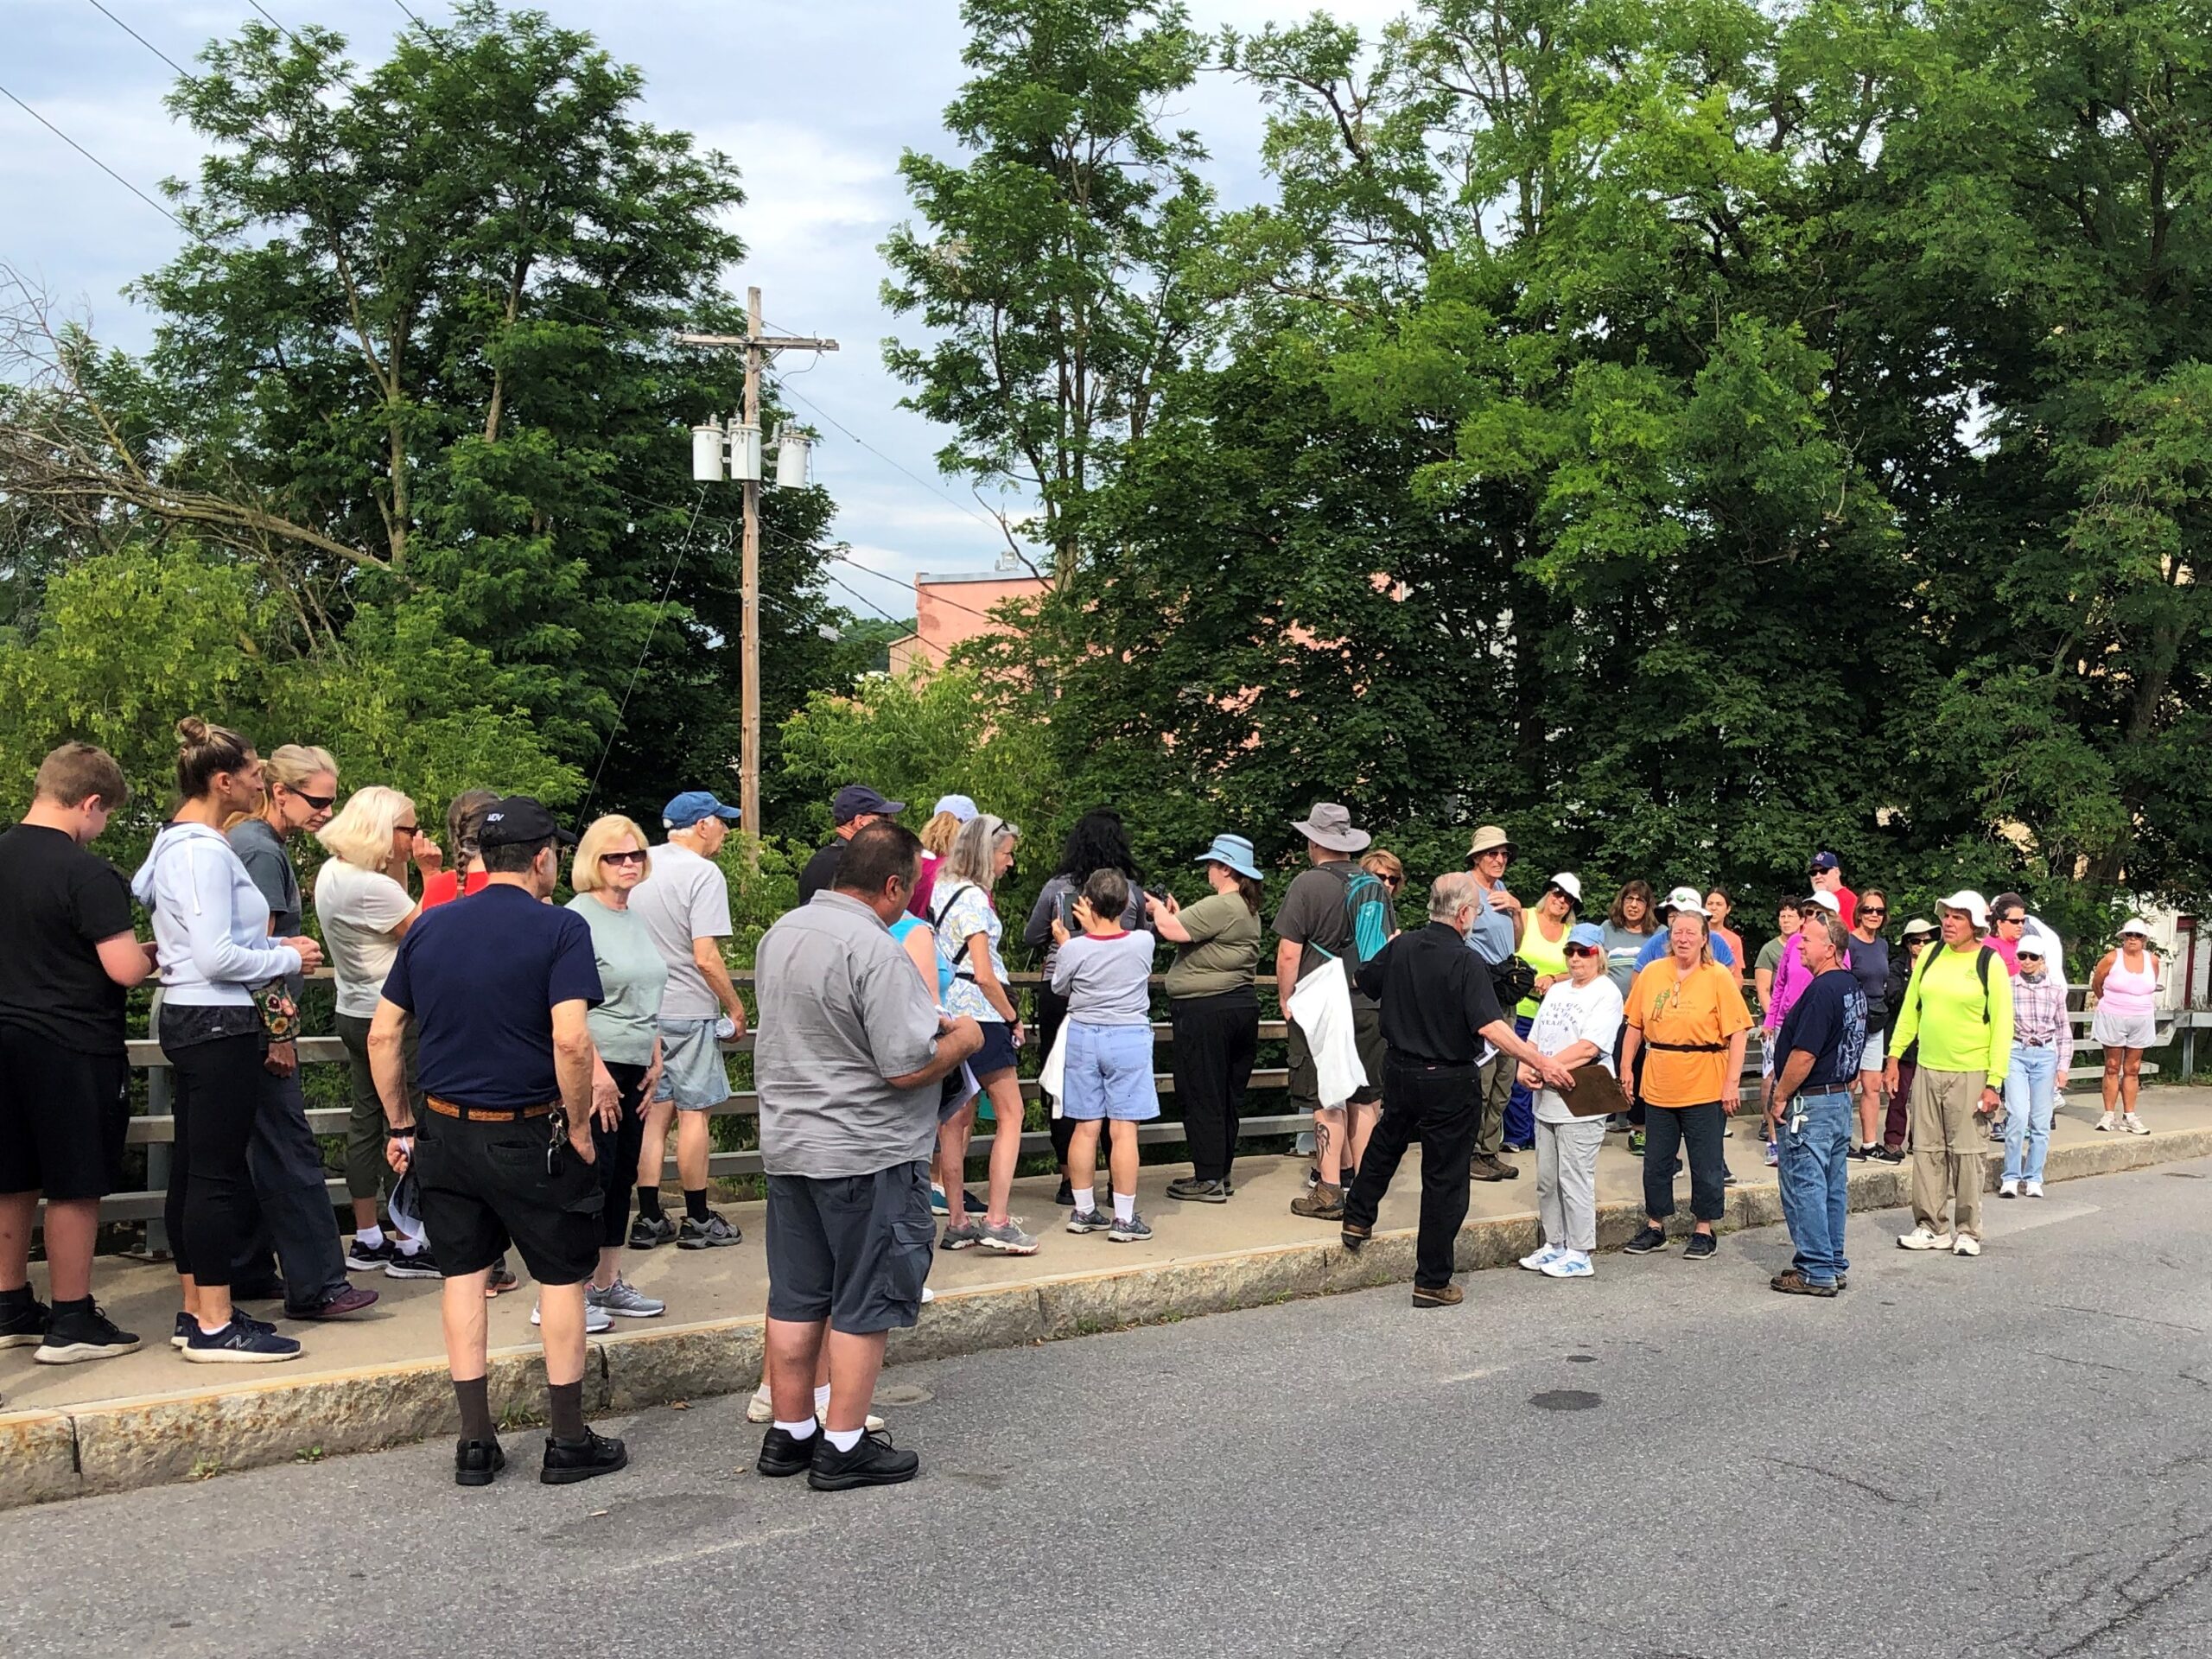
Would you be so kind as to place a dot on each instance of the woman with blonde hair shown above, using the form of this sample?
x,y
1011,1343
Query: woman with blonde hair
x,y
937,836
967,932
299,788
611,859
361,900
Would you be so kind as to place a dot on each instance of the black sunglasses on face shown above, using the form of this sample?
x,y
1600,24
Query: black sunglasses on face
x,y
406,828
1873,910
320,803
636,857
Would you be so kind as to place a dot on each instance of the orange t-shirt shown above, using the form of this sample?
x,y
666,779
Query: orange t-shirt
x,y
1686,1023
445,887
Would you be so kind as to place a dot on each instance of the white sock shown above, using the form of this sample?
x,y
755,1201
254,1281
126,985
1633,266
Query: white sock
x,y
369,1236
411,1246
844,1439
1125,1207
1086,1199
800,1430
822,1399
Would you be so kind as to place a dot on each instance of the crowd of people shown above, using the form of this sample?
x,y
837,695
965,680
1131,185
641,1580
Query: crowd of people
x,y
514,1067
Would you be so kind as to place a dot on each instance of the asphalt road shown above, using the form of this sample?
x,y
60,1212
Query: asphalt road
x,y
2006,1456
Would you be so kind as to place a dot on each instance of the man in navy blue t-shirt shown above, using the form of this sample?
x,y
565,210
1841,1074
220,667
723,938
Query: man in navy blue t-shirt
x,y
1820,1043
498,985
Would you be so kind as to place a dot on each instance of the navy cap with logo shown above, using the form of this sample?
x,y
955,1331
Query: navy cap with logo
x,y
518,820
855,799
1827,862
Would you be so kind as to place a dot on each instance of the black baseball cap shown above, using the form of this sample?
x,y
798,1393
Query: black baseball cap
x,y
518,820
853,799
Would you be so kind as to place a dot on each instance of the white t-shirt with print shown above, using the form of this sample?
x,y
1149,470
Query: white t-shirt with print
x,y
1571,1013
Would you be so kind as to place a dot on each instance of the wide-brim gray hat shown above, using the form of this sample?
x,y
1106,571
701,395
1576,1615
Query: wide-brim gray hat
x,y
1330,825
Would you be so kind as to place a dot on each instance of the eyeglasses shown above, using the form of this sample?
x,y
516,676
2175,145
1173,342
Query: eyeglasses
x,y
636,857
406,828
320,803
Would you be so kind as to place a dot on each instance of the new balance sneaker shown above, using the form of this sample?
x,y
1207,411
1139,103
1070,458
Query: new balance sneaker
x,y
873,1462
597,1320
648,1231
242,1342
81,1334
1920,1238
624,1301
186,1324
1569,1264
23,1324
1966,1244
2134,1125
712,1234
1886,1154
370,1258
420,1265
569,1461
475,1462
1089,1221
1007,1239
1541,1259
965,1236
1134,1230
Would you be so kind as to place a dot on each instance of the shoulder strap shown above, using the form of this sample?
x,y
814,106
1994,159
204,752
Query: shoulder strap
x,y
939,912
1981,972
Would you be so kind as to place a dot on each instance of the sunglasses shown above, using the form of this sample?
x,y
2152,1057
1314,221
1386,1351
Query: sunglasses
x,y
2011,921
622,858
2029,955
1584,951
320,803
1873,910
406,828
1394,882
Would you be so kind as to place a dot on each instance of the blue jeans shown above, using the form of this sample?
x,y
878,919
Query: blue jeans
x,y
2031,1096
1815,1182
1520,1105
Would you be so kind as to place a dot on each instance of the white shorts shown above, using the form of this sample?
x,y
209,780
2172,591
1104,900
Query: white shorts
x,y
1875,1053
2122,1030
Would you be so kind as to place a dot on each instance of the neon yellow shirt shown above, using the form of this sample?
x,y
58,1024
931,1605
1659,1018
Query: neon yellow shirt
x,y
1943,1009
1545,956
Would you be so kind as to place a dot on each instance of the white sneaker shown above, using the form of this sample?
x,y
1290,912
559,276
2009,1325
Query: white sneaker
x,y
1967,1244
2104,1123
2008,1189
2133,1125
2035,1189
1543,1259
1569,1264
1921,1239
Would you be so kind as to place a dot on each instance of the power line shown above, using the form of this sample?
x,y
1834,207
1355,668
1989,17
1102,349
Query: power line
x,y
136,36
410,11
95,162
667,589
785,386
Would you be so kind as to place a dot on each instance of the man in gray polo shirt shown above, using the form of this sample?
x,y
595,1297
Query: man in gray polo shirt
x,y
850,1051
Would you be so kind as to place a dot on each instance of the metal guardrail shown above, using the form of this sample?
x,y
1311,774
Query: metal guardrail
x,y
157,1129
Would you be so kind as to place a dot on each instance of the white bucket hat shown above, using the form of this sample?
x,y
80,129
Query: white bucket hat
x,y
1973,903
2135,925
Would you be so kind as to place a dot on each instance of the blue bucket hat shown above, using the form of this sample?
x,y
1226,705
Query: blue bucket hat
x,y
1586,933
1234,851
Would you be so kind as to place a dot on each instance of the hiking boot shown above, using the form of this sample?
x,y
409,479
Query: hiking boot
x,y
965,1236
1443,1295
569,1461
1794,1283
1192,1190
874,1461
1353,1236
82,1334
1324,1203
1484,1167
475,1462
783,1455
712,1234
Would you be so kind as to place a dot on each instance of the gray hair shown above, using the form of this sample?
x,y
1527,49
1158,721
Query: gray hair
x,y
1453,892
974,857
1832,925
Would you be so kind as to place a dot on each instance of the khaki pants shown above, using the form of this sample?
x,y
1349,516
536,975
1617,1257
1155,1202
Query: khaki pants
x,y
1948,1145
1497,1091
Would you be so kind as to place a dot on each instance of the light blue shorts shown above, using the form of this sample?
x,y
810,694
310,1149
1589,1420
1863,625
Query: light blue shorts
x,y
691,1070
1109,1074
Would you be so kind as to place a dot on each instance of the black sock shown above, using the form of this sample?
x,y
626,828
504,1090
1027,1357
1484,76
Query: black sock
x,y
475,1409
19,1298
648,1201
82,1305
568,1409
694,1205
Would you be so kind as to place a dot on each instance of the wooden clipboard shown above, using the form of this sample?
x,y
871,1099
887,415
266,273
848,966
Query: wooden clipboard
x,y
1596,1093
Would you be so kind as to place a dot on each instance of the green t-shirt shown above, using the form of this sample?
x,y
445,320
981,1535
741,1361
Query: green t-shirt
x,y
1224,946
631,974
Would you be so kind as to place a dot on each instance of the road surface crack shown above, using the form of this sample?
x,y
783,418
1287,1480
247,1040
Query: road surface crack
x,y
1852,1481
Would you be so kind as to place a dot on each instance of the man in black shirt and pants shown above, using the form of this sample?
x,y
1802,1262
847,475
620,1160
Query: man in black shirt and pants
x,y
1440,1016
856,807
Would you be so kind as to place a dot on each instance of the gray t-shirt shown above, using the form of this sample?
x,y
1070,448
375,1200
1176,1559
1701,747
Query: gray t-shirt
x,y
842,1010
262,851
1624,950
631,975
684,899
1107,981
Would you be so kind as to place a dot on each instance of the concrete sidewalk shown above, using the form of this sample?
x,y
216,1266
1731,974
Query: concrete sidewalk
x,y
379,1379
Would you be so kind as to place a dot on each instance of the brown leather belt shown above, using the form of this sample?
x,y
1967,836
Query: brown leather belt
x,y
480,1115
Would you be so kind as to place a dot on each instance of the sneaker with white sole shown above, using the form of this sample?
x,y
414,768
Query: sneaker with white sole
x,y
1133,1229
625,1300
1088,1221
1543,1259
2035,1189
2104,1123
419,1265
2008,1189
1921,1239
762,1409
2134,1125
1007,1239
597,1320
1569,1264
1966,1244
242,1342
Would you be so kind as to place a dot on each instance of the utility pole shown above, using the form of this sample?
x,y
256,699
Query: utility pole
x,y
744,453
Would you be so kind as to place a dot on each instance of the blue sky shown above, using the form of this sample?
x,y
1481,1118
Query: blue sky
x,y
815,101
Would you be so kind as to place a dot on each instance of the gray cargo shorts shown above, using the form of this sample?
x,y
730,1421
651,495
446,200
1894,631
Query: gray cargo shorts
x,y
853,1250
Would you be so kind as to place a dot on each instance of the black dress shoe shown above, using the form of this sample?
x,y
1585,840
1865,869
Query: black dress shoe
x,y
474,1462
874,1461
783,1453
573,1460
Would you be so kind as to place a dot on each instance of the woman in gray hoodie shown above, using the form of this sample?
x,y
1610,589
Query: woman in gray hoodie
x,y
211,935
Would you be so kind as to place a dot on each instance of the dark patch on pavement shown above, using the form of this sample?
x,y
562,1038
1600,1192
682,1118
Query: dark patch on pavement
x,y
1565,1400
1582,1359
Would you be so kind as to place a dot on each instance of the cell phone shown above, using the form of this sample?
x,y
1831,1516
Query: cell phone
x,y
1067,912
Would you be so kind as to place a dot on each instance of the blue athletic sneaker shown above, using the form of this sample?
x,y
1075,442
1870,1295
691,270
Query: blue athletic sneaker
x,y
1569,1264
1543,1259
242,1342
186,1324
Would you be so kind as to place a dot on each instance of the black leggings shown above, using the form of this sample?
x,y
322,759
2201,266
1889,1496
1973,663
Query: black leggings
x,y
617,1149
210,1209
1216,1039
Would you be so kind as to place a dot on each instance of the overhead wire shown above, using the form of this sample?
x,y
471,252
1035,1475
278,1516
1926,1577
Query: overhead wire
x,y
95,162
667,588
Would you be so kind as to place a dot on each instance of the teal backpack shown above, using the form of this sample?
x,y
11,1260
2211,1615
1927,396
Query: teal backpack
x,y
1368,902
